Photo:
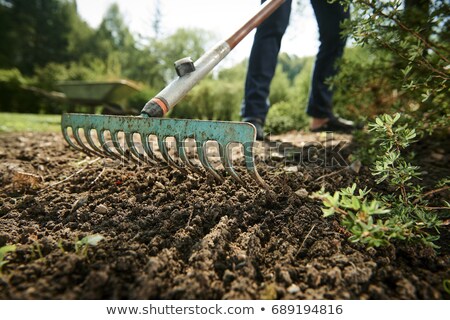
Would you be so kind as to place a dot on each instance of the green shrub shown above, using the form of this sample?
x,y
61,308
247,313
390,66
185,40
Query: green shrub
x,y
284,116
406,65
211,100
401,214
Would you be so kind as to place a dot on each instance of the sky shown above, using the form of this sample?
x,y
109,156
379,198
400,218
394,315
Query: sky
x,y
222,18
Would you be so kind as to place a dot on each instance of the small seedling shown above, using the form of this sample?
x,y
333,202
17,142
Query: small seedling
x,y
36,251
81,246
60,246
3,251
446,285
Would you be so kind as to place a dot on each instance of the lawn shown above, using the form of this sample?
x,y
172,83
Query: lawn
x,y
20,122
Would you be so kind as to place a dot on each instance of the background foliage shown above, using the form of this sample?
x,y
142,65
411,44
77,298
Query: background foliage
x,y
402,62
398,62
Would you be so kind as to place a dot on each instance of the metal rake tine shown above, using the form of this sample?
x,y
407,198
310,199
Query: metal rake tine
x,y
148,150
185,158
115,141
132,147
106,149
81,144
96,150
69,141
165,154
228,164
203,159
251,167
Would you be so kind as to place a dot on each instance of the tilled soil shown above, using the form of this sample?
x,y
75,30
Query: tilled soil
x,y
172,236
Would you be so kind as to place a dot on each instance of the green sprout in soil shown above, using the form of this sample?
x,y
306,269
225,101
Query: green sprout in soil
x,y
359,216
402,215
3,252
81,246
446,285
36,251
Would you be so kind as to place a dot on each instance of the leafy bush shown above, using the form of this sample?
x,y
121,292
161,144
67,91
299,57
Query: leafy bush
x,y
12,95
11,77
288,111
403,212
283,116
211,100
406,69
139,99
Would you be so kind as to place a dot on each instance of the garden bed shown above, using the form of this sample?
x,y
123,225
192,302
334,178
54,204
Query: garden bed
x,y
168,236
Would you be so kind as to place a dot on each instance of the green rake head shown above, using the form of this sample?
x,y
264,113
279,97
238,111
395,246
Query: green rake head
x,y
152,123
128,138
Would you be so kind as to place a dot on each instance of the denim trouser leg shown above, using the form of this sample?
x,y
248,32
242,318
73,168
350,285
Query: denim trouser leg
x,y
329,17
262,63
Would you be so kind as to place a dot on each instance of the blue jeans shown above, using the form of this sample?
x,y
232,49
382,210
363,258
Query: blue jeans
x,y
264,57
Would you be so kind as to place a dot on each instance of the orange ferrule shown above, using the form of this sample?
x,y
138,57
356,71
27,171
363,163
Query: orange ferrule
x,y
161,103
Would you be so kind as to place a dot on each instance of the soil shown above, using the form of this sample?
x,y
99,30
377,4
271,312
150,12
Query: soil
x,y
172,236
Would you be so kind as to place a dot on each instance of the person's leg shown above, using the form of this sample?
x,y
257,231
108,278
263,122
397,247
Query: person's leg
x,y
262,63
329,17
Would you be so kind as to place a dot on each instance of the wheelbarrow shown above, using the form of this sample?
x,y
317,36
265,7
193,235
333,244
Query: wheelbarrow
x,y
111,95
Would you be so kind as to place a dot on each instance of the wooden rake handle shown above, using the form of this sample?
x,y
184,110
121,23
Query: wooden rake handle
x,y
167,98
264,12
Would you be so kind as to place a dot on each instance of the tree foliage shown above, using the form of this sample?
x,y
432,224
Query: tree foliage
x,y
35,33
44,42
399,62
407,57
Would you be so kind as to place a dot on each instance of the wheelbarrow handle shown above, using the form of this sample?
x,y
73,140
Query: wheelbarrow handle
x,y
191,73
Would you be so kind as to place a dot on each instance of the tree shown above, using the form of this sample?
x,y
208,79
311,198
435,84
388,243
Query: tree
x,y
35,32
183,43
156,24
113,29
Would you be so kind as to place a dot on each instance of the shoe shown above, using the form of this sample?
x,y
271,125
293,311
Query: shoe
x,y
337,124
259,128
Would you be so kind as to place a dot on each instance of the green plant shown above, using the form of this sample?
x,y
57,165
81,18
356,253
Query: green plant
x,y
390,165
3,251
404,65
446,285
359,215
283,117
36,251
81,246
404,213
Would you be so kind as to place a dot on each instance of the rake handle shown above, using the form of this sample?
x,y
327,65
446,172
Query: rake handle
x,y
265,11
165,100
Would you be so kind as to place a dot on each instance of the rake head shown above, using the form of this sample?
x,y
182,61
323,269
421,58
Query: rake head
x,y
150,123
128,138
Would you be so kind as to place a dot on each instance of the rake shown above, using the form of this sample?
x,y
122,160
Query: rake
x,y
116,135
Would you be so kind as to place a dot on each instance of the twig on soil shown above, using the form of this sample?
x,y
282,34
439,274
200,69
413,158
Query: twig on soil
x,y
332,173
304,240
429,193
189,219
72,175
354,167
100,174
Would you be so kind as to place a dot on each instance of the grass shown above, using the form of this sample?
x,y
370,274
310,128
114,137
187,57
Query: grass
x,y
21,122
